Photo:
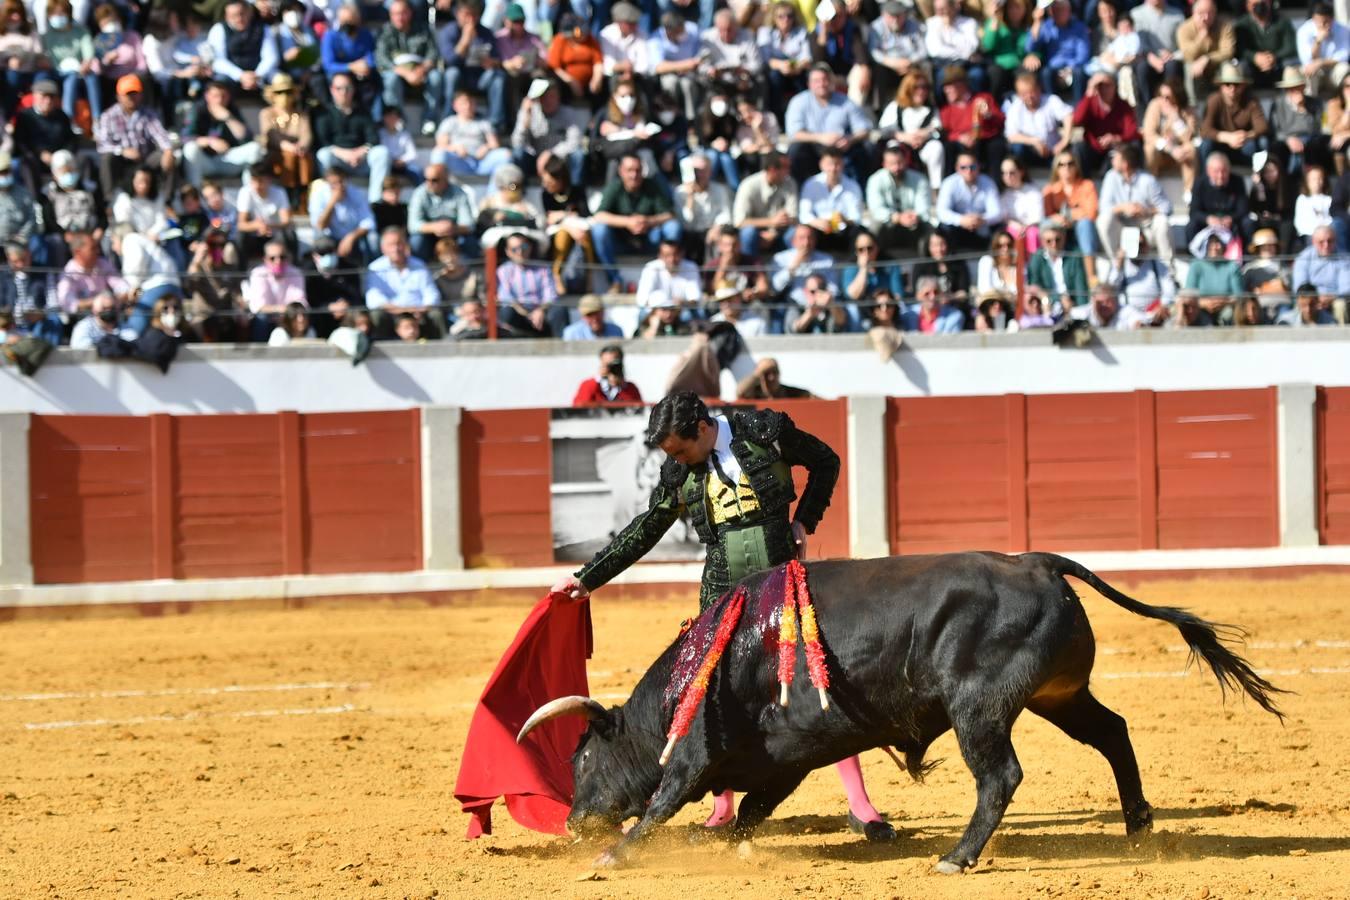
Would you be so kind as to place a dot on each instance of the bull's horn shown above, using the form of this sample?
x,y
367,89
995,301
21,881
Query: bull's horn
x,y
576,705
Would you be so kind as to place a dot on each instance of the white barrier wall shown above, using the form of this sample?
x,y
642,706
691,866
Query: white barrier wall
x,y
516,374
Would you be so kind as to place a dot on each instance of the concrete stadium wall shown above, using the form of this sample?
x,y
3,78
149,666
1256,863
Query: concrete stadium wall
x,y
533,374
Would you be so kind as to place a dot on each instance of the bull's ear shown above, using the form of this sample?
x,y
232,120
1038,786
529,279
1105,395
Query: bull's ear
x,y
563,706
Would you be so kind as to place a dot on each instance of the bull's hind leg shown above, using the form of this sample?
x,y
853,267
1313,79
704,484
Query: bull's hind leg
x,y
986,746
1083,718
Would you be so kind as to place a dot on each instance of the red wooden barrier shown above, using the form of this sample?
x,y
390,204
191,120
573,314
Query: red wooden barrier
x,y
827,420
506,475
1333,464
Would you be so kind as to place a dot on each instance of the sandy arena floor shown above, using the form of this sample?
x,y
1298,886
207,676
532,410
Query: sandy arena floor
x,y
312,753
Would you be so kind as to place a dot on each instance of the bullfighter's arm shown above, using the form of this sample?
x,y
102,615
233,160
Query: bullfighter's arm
x,y
641,534
822,466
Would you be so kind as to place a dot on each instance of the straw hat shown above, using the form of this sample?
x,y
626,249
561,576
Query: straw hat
x,y
1229,73
1263,237
1292,78
282,83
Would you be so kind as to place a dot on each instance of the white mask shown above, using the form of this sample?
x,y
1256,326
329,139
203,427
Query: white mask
x,y
169,321
292,19
718,108
110,28
665,116
625,103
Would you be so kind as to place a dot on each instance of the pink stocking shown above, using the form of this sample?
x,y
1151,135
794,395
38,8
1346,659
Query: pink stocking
x,y
724,809
850,772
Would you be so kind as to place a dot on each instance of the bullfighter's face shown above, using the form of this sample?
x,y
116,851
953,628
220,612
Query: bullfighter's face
x,y
691,451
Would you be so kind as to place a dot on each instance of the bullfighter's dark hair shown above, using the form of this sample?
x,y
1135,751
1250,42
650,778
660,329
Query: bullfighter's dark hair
x,y
677,414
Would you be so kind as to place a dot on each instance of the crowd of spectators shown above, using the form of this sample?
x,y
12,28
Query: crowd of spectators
x,y
795,166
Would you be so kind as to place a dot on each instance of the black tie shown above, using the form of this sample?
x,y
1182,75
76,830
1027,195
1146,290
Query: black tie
x,y
717,467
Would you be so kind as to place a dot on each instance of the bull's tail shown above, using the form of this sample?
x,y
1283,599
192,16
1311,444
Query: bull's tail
x,y
1205,639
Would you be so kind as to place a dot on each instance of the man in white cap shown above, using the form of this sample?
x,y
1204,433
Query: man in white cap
x,y
625,50
546,127
896,41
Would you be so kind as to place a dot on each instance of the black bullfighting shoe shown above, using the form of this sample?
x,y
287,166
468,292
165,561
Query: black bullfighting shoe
x,y
876,832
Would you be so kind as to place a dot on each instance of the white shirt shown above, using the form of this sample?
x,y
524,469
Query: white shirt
x,y
618,49
1336,46
820,201
731,467
960,40
1045,122
681,286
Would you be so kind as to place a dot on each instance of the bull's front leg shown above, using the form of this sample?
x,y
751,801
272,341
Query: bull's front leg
x,y
674,792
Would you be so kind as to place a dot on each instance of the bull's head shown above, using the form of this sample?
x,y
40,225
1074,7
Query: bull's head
x,y
613,771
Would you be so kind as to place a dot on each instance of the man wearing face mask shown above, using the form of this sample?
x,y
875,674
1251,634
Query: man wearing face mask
x,y
350,48
244,50
18,220
102,321
1265,43
70,204
40,131
331,290
271,287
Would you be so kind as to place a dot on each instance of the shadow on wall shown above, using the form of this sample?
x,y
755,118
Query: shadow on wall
x,y
908,363
390,375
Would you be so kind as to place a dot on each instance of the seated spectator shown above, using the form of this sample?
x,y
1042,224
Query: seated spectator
x,y
821,117
831,202
1309,310
757,134
663,319
953,42
128,137
971,123
103,320
567,215
575,59
1121,46
1021,202
1132,198
39,131
866,277
546,127
882,312
702,205
396,140
674,51
792,266
1071,203
297,44
996,271
931,314
1169,134
952,276
149,271
342,212
840,42
734,308
1033,314
1058,50
406,58
287,135
26,295
1234,122
68,45
347,137
1188,313
1144,284
1107,121
220,212
1323,49
470,322
472,60
1249,313
217,142
717,125
505,211
634,214
899,202
454,278
1206,44
1055,276
766,206
1036,126
332,292
18,211
1216,280
244,50
1103,311
968,205
730,273
440,208
142,208
1003,40
521,52
1296,137
593,326
912,120
1273,198
190,216
1263,273
897,46
1219,201
623,47
349,48
264,213
1265,42
996,312
294,326
1160,59
389,209
765,383
1320,266
117,49
526,293
670,277
271,287
214,290
88,277
70,204
1312,210
609,386
822,313
785,48
466,144
398,283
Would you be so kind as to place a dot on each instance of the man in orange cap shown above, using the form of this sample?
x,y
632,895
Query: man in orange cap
x,y
129,137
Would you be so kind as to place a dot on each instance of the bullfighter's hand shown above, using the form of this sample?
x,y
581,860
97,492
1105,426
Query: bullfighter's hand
x,y
570,587
799,538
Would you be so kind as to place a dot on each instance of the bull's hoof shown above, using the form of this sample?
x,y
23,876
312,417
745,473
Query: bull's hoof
x,y
946,867
1139,822
875,832
714,834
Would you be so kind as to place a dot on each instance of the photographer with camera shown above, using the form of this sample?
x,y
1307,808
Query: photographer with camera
x,y
608,387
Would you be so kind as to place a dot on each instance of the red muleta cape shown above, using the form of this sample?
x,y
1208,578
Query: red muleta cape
x,y
546,660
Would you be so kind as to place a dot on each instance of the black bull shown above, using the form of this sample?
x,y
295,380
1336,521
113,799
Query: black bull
x,y
915,645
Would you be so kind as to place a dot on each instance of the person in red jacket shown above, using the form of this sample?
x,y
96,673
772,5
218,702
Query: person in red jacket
x,y
971,123
609,387
1107,122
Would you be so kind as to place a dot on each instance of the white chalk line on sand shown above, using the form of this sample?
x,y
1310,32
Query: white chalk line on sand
x,y
179,692
190,716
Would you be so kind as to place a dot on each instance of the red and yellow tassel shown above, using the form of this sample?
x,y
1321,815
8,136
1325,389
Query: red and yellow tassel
x,y
787,646
698,687
797,599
